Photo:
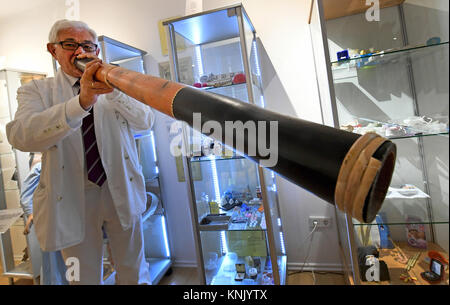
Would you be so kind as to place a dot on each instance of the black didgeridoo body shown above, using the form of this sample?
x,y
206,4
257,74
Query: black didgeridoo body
x,y
310,155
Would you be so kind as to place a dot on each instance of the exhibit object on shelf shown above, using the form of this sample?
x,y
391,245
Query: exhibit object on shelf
x,y
384,231
436,272
407,191
415,232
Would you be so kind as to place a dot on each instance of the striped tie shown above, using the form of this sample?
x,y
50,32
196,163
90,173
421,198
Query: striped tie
x,y
95,170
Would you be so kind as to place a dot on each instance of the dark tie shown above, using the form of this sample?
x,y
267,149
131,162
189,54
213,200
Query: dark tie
x,y
95,170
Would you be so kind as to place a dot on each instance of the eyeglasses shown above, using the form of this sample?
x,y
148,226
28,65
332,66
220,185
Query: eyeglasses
x,y
72,46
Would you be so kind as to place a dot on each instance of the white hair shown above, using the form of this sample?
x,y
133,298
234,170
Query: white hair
x,y
66,24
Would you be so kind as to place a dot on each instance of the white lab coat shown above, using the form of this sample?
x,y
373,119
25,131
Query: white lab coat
x,y
40,124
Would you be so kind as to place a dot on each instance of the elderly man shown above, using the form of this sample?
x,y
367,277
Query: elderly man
x,y
91,175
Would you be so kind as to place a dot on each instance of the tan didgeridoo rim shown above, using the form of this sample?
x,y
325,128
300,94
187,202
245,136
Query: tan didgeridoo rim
x,y
359,168
366,182
359,173
347,165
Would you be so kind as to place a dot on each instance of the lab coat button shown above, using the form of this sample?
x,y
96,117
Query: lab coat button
x,y
127,157
59,198
131,179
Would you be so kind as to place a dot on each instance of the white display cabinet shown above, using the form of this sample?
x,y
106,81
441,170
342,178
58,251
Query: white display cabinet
x,y
234,202
383,67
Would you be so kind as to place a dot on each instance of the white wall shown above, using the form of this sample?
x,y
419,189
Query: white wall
x,y
23,37
290,88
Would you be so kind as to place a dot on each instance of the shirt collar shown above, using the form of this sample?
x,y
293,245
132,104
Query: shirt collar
x,y
72,80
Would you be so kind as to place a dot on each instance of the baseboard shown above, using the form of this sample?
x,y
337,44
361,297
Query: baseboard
x,y
315,267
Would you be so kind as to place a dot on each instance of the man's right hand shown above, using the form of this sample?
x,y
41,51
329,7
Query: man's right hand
x,y
89,88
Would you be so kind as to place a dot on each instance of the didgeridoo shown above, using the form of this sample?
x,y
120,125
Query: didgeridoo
x,y
343,168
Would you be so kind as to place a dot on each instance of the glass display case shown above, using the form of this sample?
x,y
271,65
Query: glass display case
x,y
234,204
20,254
156,243
383,67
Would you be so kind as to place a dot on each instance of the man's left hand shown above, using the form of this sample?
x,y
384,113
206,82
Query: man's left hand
x,y
90,89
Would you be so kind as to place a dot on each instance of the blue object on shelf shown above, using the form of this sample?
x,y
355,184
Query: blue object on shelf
x,y
433,40
343,55
385,242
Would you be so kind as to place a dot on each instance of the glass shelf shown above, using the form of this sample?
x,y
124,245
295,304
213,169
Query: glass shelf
x,y
233,229
224,273
389,55
402,223
213,89
416,135
382,128
209,159
352,68
419,135
244,217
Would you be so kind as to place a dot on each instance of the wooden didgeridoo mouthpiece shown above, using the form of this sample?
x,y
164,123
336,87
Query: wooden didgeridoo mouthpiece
x,y
343,168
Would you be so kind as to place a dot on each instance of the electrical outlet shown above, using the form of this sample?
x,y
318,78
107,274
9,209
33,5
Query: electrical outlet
x,y
322,221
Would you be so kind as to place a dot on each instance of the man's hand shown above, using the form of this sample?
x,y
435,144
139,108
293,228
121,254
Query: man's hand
x,y
91,89
28,224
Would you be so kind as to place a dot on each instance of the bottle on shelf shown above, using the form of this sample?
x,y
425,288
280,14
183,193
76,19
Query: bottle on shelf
x,y
214,207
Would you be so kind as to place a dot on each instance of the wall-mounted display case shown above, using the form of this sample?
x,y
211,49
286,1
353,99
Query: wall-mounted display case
x,y
234,204
383,67
20,254
156,242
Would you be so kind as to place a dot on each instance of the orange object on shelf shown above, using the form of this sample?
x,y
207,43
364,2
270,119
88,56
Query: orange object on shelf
x,y
438,256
